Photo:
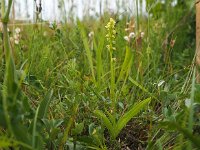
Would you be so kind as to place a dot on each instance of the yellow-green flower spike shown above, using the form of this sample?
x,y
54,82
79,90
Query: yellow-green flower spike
x,y
111,34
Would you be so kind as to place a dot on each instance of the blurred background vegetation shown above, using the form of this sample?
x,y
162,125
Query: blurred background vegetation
x,y
63,75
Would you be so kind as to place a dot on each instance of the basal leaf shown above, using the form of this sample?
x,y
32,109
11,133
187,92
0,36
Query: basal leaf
x,y
130,114
105,119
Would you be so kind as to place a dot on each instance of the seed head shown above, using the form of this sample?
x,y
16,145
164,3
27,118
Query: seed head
x,y
132,35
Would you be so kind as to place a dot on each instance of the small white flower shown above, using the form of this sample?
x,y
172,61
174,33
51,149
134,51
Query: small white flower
x,y
16,36
176,76
161,83
108,47
142,34
16,42
132,35
126,38
127,29
17,30
91,34
188,103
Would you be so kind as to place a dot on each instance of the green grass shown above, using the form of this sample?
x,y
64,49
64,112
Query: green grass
x,y
68,90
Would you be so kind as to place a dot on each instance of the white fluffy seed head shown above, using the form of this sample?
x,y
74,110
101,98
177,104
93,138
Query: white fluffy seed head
x,y
132,35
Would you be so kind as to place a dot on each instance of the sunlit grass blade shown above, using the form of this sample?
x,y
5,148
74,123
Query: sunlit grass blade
x,y
138,85
99,49
6,142
34,128
125,65
141,87
106,121
87,48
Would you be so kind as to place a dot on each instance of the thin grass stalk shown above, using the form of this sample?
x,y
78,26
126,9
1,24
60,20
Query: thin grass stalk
x,y
68,127
191,109
137,14
10,74
99,66
87,49
34,128
112,81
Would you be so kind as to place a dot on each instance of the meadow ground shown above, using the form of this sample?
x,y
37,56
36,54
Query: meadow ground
x,y
117,82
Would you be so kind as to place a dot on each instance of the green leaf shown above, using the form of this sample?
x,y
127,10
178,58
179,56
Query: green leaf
x,y
124,67
111,117
91,128
105,119
6,143
44,105
21,133
34,128
87,48
78,128
130,114
34,82
99,50
141,87
138,85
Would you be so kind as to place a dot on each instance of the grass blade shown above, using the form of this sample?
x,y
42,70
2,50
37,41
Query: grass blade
x,y
44,105
87,49
125,65
106,121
